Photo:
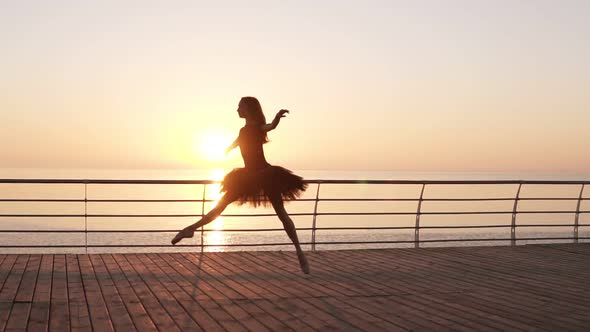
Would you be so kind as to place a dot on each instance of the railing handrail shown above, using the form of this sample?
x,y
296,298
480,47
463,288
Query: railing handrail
x,y
311,181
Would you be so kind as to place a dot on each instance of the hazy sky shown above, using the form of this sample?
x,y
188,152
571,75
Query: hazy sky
x,y
372,85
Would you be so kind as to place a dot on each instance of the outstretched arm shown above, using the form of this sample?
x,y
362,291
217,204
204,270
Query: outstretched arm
x,y
232,146
275,122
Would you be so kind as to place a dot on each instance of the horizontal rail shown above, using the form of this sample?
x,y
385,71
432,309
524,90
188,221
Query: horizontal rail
x,y
291,214
286,243
65,200
230,230
314,181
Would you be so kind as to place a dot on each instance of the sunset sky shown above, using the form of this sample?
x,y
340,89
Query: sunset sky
x,y
371,85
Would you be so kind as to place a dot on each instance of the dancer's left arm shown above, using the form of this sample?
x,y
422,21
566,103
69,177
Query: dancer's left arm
x,y
275,122
232,146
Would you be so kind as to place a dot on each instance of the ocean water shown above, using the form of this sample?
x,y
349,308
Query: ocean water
x,y
226,230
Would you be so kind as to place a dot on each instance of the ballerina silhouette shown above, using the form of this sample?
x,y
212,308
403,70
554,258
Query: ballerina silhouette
x,y
258,182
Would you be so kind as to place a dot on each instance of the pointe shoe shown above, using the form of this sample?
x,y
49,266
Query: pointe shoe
x,y
303,263
188,233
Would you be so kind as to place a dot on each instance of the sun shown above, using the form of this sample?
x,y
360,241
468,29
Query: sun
x,y
211,146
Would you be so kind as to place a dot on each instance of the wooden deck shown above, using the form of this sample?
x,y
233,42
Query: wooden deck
x,y
541,287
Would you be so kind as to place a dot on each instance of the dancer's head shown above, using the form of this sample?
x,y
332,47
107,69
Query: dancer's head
x,y
249,108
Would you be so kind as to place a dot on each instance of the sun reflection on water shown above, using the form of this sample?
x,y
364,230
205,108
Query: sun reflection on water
x,y
215,233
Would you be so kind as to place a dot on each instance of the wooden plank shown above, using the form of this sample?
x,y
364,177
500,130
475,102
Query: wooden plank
x,y
552,263
339,268
257,279
9,291
292,321
420,301
18,317
21,308
376,310
248,291
299,281
6,262
445,283
532,306
99,315
39,318
497,301
153,307
411,303
173,307
10,274
408,300
192,299
305,287
398,313
364,316
322,277
521,269
509,277
209,287
238,284
439,283
59,313
78,306
246,276
191,281
135,308
26,289
259,274
118,312
360,316
302,286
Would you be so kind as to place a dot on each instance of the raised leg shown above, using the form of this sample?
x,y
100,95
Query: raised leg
x,y
189,231
277,204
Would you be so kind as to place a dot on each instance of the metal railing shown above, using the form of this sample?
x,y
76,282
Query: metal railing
x,y
417,227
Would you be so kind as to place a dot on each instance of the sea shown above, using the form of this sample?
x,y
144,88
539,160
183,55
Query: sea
x,y
35,224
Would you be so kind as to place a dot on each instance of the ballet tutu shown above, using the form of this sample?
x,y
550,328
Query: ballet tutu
x,y
256,186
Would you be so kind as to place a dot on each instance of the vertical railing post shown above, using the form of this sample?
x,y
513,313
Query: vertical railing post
x,y
514,213
86,216
315,214
202,215
418,212
577,220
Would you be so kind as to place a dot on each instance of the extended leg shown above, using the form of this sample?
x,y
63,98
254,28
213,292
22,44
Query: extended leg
x,y
277,204
189,231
